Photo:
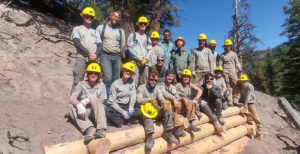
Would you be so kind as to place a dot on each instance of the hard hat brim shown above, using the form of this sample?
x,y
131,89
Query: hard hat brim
x,y
121,68
147,115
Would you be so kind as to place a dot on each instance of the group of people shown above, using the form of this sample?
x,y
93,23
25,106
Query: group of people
x,y
160,80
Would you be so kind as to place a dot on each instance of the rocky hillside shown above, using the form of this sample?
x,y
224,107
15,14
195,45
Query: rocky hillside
x,y
37,58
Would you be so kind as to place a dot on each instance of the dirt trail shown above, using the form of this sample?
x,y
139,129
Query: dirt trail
x,y
35,81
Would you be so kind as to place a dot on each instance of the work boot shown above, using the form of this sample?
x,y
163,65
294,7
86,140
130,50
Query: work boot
x,y
89,135
221,121
150,142
218,127
197,111
193,128
100,133
179,132
169,136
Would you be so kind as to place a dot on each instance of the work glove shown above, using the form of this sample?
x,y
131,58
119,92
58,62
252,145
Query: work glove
x,y
142,62
81,111
154,103
131,111
125,115
166,107
84,102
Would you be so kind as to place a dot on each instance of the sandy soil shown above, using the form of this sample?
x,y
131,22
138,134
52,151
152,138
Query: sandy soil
x,y
35,81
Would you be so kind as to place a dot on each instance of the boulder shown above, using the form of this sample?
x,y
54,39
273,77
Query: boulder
x,y
20,18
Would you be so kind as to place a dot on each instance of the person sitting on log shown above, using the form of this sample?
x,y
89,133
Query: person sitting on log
x,y
248,99
122,97
186,91
87,109
211,103
181,106
148,96
220,82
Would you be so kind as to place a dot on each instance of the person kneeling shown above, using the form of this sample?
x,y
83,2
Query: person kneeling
x,y
147,96
122,97
87,109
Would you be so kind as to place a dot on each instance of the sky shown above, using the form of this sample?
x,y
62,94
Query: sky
x,y
213,17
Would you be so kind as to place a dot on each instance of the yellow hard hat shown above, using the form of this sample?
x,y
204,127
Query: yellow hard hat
x,y
179,38
187,72
129,66
88,11
243,77
149,110
93,67
228,42
154,34
219,68
169,102
142,19
212,42
202,36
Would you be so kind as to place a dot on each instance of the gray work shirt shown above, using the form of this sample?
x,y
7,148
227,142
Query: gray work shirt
x,y
181,60
122,93
139,48
89,38
202,60
112,39
83,90
230,62
156,51
144,95
186,91
220,83
247,94
169,91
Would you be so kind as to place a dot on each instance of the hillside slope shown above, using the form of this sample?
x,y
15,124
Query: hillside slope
x,y
35,82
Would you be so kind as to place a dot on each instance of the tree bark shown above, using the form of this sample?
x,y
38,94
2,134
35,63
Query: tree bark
x,y
157,12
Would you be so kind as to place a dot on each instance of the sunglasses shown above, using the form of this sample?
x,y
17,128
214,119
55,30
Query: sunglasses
x,y
88,17
153,80
160,60
167,34
92,73
209,79
143,23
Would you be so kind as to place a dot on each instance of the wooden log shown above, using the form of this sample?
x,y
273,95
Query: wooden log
x,y
215,142
161,146
234,147
289,111
133,136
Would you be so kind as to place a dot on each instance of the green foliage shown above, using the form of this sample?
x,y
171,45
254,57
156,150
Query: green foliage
x,y
292,23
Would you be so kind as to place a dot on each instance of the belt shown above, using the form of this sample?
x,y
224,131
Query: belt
x,y
111,54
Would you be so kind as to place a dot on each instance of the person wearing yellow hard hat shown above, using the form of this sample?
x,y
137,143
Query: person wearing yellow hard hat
x,y
180,58
122,98
186,91
156,50
203,61
140,50
248,99
86,108
230,63
170,93
150,93
87,42
212,46
220,82
113,38
168,47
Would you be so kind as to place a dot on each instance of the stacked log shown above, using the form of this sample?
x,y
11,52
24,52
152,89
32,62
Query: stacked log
x,y
126,138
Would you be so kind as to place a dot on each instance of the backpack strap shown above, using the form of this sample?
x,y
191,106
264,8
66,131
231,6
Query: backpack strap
x,y
103,30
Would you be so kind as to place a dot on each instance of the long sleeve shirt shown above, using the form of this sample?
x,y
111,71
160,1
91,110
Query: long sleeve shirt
x,y
210,94
230,63
169,91
122,93
161,73
139,48
156,51
203,60
113,41
144,95
186,91
181,60
168,48
88,37
247,94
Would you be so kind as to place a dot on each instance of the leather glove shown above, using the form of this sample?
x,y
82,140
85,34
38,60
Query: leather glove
x,y
84,102
81,111
154,103
166,107
144,61
131,111
125,115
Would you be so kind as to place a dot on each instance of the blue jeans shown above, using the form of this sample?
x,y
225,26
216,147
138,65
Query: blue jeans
x,y
110,65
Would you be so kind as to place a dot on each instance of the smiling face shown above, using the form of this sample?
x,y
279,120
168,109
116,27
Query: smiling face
x,y
114,20
154,41
244,83
167,36
218,74
93,76
160,62
152,81
87,19
169,79
126,73
185,79
202,43
142,26
227,48
209,80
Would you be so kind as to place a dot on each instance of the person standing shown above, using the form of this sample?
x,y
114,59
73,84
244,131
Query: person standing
x,y
88,44
202,61
113,39
231,66
168,47
212,46
140,50
87,108
156,50
181,59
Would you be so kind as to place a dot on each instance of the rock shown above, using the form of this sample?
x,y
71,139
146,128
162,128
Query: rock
x,y
20,18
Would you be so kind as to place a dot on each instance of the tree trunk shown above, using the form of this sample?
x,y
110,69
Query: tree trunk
x,y
157,11
126,20
237,33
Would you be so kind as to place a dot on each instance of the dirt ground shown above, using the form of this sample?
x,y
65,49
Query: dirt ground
x,y
35,81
